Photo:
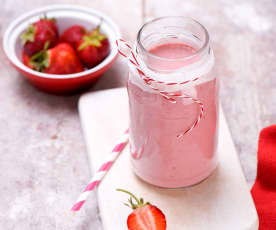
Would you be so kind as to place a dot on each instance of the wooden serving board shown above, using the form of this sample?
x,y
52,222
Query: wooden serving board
x,y
222,202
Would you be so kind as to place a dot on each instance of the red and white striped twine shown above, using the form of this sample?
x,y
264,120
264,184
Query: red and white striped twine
x,y
101,172
131,57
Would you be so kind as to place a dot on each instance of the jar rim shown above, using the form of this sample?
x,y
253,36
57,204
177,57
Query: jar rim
x,y
199,51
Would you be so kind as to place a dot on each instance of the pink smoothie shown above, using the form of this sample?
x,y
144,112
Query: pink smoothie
x,y
161,158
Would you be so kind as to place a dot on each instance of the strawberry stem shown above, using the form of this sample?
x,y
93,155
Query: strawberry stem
x,y
129,193
98,27
139,202
46,18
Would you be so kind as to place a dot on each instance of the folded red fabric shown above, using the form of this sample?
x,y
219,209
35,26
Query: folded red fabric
x,y
264,189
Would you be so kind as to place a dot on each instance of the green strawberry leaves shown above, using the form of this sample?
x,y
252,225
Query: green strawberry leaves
x,y
40,60
94,39
28,35
137,203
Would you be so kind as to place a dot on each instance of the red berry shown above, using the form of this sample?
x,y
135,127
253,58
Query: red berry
x,y
93,48
144,215
37,34
72,35
62,59
51,23
104,49
148,217
26,60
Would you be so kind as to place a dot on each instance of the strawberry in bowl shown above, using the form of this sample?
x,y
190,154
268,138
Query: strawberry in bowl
x,y
73,34
37,34
93,47
62,79
62,59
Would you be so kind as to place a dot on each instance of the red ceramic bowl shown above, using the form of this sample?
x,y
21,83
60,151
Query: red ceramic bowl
x,y
66,15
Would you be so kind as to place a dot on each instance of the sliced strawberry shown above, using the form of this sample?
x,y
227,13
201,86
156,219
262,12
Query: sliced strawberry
x,y
93,48
73,34
62,59
148,217
145,216
37,34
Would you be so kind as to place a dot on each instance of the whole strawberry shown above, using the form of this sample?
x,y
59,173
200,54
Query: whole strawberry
x,y
93,48
73,34
37,34
144,216
62,59
26,60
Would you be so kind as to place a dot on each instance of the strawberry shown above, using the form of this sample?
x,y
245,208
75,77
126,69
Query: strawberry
x,y
93,48
145,215
26,60
73,34
37,34
51,23
62,59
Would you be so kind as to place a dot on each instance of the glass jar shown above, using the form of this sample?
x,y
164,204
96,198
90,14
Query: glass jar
x,y
173,139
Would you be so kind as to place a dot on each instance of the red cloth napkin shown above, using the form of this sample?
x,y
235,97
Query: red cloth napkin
x,y
264,189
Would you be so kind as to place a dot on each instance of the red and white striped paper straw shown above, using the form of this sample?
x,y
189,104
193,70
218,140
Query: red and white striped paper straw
x,y
101,172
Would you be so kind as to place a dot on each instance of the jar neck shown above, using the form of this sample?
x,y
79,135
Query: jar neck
x,y
185,40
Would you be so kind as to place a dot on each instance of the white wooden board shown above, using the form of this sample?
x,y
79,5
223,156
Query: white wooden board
x,y
222,202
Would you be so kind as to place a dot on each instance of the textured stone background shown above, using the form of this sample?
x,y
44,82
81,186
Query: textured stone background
x,y
43,158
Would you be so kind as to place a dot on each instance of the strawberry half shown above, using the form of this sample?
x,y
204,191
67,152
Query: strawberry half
x,y
93,48
37,34
62,59
72,35
145,216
